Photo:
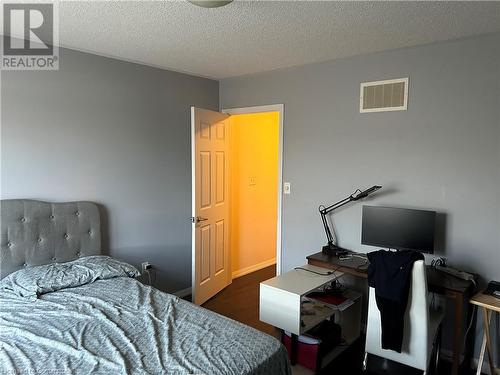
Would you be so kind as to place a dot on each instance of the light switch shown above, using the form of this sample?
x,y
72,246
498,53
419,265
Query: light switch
x,y
252,181
286,188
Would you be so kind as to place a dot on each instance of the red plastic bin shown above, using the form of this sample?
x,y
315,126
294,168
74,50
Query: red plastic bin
x,y
307,350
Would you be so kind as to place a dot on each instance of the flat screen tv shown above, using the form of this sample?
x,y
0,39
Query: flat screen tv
x,y
398,228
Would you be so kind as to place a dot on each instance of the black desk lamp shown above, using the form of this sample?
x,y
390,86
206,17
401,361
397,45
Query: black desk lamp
x,y
331,248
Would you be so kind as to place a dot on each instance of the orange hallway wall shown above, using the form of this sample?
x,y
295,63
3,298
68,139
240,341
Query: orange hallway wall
x,y
254,186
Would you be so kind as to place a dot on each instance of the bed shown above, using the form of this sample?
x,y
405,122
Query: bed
x,y
66,308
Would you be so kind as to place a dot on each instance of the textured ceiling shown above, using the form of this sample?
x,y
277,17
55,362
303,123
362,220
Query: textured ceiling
x,y
253,36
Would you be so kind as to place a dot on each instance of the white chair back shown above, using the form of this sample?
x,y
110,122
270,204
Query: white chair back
x,y
417,345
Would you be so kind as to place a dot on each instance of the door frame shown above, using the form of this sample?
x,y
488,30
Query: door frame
x,y
281,109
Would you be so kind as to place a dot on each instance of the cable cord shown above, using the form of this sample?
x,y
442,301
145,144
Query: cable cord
x,y
317,273
335,280
361,267
334,286
475,284
438,262
474,311
349,256
149,277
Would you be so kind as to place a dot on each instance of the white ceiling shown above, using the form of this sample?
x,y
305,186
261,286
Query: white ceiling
x,y
253,36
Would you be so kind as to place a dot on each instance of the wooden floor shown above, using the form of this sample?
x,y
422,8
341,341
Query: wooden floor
x,y
240,301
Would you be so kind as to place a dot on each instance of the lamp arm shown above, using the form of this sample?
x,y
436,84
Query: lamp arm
x,y
323,211
334,206
328,233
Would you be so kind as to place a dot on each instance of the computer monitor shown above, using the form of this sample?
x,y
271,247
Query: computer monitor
x,y
398,228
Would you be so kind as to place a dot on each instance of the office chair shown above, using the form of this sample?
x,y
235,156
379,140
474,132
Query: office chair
x,y
422,326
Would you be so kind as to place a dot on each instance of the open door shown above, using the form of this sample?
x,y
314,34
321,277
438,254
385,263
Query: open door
x,y
211,271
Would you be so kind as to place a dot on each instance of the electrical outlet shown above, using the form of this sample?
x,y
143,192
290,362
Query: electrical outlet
x,y
252,181
146,266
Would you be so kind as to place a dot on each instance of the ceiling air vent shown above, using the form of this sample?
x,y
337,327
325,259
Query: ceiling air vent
x,y
382,96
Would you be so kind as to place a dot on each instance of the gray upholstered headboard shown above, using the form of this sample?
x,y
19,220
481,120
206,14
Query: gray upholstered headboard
x,y
35,233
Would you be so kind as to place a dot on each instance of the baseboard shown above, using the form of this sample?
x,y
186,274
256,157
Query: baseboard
x,y
183,292
255,267
245,271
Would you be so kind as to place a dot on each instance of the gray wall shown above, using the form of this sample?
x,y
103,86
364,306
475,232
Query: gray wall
x,y
118,134
115,133
442,154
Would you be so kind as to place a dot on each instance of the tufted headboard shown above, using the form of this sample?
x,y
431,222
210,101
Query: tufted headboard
x,y
35,233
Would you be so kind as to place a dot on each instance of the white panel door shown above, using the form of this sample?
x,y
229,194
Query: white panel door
x,y
211,267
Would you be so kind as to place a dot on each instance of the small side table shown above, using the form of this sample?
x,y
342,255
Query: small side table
x,y
489,305
281,306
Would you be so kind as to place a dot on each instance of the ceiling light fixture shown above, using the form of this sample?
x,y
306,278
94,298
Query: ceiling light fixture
x,y
210,4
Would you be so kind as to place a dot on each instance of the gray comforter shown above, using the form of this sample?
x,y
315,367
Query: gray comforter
x,y
120,326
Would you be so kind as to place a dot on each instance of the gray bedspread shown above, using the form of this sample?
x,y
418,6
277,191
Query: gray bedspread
x,y
120,326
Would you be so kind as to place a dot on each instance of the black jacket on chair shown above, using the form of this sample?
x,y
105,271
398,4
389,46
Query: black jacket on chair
x,y
390,274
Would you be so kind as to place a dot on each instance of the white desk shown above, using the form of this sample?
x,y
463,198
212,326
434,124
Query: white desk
x,y
280,299
280,305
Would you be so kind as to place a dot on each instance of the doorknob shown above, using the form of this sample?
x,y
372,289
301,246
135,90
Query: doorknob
x,y
197,219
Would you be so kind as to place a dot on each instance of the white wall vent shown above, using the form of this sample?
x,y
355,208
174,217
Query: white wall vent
x,y
382,96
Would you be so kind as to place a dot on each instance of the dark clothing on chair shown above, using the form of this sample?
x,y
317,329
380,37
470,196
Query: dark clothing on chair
x,y
390,274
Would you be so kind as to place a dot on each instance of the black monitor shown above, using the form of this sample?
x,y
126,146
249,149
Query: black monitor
x,y
398,228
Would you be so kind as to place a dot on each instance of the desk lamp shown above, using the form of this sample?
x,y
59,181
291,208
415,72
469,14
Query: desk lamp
x,y
330,248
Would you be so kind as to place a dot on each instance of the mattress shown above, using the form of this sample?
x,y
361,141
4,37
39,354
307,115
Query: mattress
x,y
121,326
